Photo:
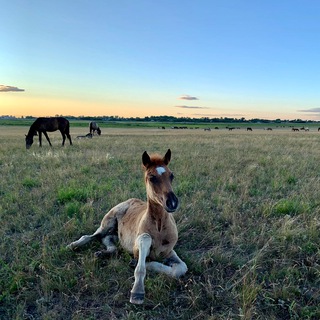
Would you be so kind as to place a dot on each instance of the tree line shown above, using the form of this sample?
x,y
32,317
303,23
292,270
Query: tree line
x,y
171,119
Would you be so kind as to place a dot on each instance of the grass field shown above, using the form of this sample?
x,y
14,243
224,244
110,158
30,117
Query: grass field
x,y
249,225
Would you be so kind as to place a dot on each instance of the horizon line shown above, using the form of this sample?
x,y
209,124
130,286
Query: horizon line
x,y
8,117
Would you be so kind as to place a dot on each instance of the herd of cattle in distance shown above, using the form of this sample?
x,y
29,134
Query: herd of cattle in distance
x,y
44,125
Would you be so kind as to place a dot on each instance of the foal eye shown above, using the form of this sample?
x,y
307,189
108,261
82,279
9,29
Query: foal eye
x,y
153,179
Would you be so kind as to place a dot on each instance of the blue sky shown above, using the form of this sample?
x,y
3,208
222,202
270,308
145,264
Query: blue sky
x,y
139,58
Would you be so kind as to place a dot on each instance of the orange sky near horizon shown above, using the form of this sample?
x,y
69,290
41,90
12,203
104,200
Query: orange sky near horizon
x,y
24,104
19,106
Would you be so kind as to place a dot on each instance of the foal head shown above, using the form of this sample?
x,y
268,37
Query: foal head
x,y
158,178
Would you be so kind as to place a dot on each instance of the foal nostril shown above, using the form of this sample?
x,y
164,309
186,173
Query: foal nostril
x,y
172,202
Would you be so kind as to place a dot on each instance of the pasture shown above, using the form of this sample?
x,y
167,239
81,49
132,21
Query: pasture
x,y
248,222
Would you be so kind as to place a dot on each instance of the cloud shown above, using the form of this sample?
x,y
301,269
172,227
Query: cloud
x,y
190,107
314,110
9,88
187,97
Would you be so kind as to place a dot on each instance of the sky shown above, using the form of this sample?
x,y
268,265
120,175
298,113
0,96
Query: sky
x,y
204,58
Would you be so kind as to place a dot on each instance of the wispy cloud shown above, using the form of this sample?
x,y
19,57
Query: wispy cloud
x,y
187,97
313,110
191,107
9,89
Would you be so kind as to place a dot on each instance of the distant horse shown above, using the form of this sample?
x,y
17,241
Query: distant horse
x,y
44,125
249,129
145,229
207,129
295,129
93,127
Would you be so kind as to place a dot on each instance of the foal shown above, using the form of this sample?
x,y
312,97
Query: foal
x,y
145,229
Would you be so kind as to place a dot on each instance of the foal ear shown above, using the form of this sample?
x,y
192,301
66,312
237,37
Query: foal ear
x,y
167,157
146,159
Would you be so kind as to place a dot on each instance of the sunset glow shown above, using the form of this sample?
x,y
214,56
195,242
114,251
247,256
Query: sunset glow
x,y
199,59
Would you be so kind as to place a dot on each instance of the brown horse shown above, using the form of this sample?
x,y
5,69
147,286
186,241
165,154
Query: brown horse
x,y
93,127
44,125
145,229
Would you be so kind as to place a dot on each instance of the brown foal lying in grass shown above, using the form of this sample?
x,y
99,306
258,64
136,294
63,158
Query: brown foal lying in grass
x,y
145,229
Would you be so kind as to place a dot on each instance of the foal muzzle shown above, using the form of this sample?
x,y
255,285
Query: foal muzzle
x,y
172,202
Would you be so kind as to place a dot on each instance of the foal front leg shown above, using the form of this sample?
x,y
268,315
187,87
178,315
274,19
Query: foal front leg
x,y
172,266
142,244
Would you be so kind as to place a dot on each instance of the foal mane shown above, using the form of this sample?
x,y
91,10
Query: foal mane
x,y
156,160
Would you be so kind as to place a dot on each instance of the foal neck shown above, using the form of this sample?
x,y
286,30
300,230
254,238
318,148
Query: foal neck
x,y
155,209
157,214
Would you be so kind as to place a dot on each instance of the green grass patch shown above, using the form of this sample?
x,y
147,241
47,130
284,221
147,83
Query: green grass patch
x,y
290,207
29,182
248,224
67,194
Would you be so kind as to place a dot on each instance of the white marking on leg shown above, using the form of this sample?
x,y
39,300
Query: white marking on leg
x,y
143,243
160,170
82,241
177,269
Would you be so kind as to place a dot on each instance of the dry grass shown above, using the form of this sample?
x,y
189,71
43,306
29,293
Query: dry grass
x,y
248,224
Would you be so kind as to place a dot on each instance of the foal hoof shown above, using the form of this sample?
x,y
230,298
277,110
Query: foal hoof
x,y
137,298
70,246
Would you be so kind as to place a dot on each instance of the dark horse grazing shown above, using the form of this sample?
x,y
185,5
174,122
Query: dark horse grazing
x,y
44,125
94,127
145,229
